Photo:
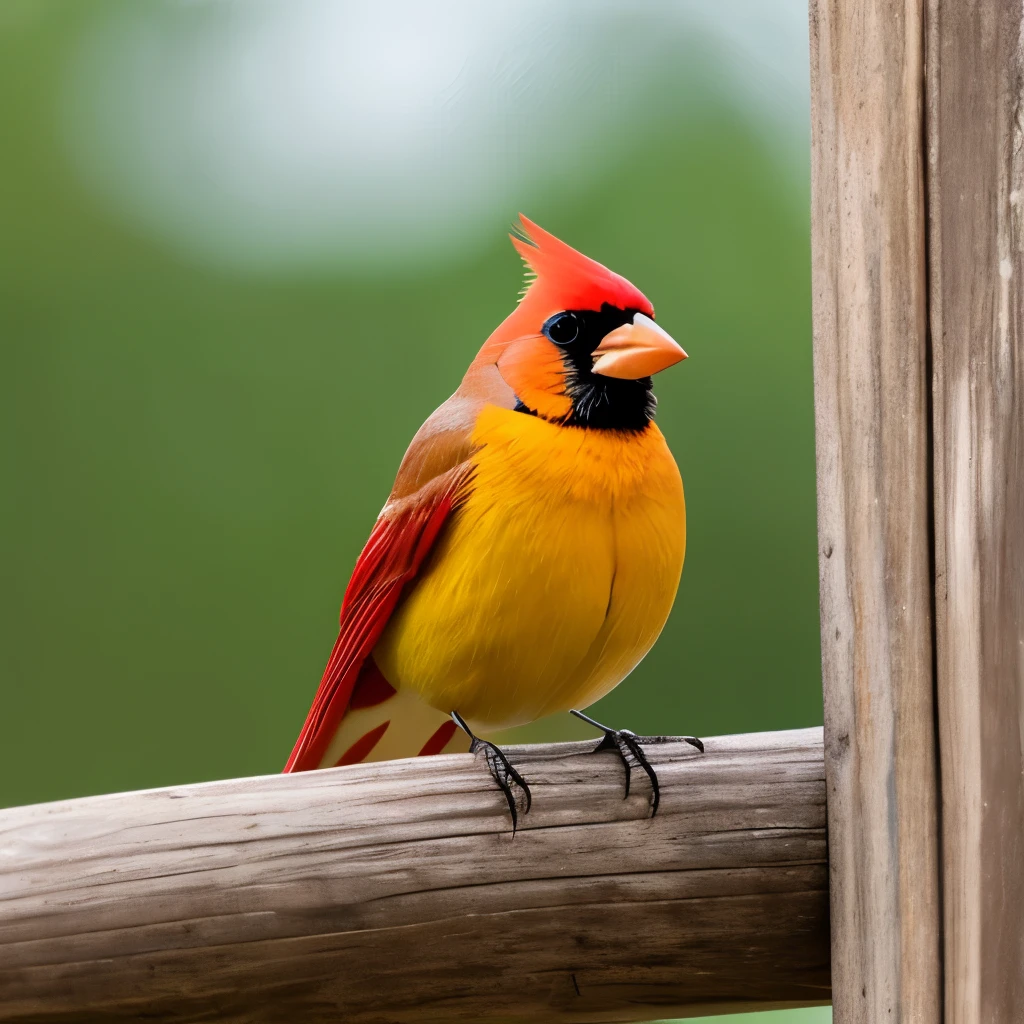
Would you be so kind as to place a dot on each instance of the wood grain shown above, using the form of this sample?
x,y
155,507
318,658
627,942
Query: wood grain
x,y
871,416
395,892
975,140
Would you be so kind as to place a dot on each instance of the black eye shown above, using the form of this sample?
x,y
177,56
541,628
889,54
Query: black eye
x,y
563,329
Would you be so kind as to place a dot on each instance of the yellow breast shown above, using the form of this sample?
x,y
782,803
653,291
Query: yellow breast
x,y
551,582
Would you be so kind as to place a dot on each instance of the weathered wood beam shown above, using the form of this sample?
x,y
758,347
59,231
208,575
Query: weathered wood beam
x,y
975,84
396,892
874,507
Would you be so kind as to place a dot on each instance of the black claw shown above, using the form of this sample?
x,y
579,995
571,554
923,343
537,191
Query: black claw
x,y
627,745
630,751
501,770
503,774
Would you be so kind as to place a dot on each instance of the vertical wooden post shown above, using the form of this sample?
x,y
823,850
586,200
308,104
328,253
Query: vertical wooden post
x,y
898,531
975,139
872,424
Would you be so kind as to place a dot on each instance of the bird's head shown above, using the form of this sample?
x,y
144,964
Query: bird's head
x,y
582,344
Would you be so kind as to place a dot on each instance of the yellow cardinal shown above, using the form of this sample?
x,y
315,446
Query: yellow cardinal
x,y
529,553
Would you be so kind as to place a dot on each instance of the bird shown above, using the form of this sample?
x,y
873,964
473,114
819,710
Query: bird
x,y
531,548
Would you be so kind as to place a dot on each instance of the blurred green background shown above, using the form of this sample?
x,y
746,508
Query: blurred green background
x,y
245,249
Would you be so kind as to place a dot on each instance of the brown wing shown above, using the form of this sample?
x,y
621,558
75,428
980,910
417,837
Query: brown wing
x,y
434,478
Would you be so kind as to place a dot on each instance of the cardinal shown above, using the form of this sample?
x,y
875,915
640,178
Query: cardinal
x,y
530,551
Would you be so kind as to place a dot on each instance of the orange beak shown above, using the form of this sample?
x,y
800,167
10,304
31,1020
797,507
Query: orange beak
x,y
636,350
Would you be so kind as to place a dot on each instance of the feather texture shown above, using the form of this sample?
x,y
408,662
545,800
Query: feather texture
x,y
398,544
553,581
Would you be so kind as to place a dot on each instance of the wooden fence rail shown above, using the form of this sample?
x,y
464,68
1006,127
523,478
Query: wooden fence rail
x,y
396,892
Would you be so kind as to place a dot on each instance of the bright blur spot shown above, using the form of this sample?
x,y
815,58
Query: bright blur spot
x,y
303,133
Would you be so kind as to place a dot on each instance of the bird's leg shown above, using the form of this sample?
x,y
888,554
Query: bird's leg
x,y
501,769
627,745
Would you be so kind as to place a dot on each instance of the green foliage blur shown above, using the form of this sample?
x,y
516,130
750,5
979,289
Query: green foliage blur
x,y
193,455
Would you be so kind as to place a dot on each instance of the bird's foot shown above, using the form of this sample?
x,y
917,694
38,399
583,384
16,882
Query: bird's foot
x,y
502,771
628,746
